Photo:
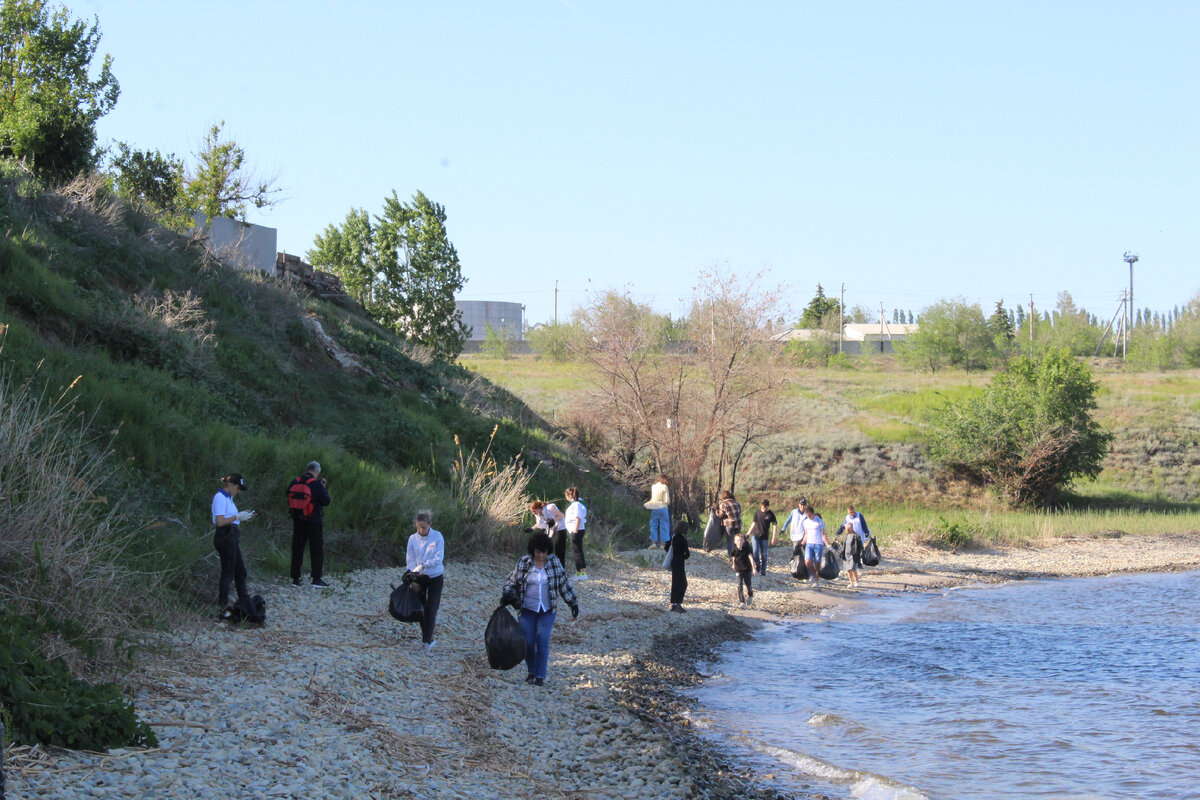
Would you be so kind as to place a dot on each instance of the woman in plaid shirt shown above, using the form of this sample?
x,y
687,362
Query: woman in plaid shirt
x,y
535,582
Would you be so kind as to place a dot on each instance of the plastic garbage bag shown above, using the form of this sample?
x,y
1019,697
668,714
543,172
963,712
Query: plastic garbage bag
x,y
870,556
714,531
504,640
830,565
406,604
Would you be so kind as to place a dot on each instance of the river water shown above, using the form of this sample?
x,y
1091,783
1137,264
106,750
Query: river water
x,y
1077,688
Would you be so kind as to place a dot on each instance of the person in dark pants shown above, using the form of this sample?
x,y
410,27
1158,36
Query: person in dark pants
x,y
730,512
227,540
309,529
576,521
679,555
743,564
423,559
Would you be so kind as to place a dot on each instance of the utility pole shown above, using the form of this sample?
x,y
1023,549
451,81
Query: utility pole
x,y
1130,259
841,317
1031,318
556,304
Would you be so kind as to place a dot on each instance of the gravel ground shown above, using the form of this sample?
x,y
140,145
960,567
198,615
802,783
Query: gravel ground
x,y
334,699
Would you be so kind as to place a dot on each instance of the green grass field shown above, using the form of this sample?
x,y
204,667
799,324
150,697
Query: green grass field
x,y
859,434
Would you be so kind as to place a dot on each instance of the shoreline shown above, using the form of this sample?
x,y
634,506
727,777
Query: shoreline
x,y
333,698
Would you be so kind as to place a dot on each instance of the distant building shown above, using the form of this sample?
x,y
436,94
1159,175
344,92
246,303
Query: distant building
x,y
503,317
239,244
857,337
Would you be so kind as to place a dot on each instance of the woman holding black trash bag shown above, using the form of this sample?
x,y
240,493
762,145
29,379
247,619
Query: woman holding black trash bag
x,y
423,561
532,587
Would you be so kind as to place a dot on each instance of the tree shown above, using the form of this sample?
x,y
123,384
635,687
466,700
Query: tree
x,y
221,186
403,267
685,408
951,332
1030,434
147,178
555,341
818,310
49,101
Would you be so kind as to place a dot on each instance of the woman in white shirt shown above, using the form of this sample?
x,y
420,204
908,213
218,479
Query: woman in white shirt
x,y
576,522
227,540
547,517
424,556
660,515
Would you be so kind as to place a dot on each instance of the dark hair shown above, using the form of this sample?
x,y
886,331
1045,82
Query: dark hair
x,y
571,493
766,502
540,542
235,479
681,528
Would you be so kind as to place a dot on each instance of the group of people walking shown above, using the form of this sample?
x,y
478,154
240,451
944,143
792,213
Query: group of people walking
x,y
534,586
748,552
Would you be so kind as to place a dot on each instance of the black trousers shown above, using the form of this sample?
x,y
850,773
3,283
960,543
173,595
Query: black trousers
x,y
560,545
433,601
233,569
309,532
744,580
577,550
678,584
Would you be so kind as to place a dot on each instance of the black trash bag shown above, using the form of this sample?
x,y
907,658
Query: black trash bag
x,y
504,640
830,566
406,604
713,532
249,609
799,568
870,556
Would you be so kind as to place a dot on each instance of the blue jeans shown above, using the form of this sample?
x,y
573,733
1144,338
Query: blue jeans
x,y
758,547
536,625
660,525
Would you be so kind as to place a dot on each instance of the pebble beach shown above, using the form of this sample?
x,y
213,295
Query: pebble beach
x,y
332,698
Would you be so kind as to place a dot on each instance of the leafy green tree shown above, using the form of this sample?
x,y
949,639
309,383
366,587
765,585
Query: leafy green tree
x,y
222,185
49,101
951,333
1072,328
405,268
556,341
148,178
818,310
497,342
349,252
1030,434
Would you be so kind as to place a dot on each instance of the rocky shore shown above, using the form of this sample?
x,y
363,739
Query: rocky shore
x,y
334,699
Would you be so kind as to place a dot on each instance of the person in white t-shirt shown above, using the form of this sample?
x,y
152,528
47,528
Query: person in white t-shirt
x,y
547,517
576,522
815,543
227,540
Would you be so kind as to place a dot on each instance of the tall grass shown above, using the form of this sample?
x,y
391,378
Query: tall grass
x,y
63,550
489,498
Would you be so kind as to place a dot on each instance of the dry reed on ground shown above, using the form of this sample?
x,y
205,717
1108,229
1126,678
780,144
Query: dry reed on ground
x,y
490,498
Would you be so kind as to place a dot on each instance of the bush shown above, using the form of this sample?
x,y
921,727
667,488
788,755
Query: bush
x,y
45,704
1030,434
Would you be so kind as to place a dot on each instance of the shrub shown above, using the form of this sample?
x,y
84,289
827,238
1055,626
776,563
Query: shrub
x,y
950,535
47,705
1030,434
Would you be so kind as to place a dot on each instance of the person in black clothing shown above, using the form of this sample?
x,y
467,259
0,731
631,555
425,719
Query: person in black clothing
x,y
679,554
743,565
764,531
310,530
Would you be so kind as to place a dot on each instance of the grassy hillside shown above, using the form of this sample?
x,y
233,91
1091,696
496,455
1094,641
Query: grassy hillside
x,y
859,436
188,370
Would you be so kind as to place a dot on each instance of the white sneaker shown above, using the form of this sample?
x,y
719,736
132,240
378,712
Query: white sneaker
x,y
581,576
428,646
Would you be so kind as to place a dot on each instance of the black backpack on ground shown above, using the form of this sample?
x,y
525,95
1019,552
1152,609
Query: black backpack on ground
x,y
249,609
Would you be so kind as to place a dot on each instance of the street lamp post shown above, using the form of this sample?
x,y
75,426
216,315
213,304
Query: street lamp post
x,y
1130,259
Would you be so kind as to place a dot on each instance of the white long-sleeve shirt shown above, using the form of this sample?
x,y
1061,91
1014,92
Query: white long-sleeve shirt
x,y
425,553
792,525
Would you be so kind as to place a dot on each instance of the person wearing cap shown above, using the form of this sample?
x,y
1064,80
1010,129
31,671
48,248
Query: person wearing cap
x,y
310,530
226,539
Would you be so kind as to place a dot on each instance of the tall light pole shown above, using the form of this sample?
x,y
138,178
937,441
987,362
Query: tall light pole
x,y
1130,259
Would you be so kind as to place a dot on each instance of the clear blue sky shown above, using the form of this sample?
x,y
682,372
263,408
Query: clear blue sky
x,y
911,150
